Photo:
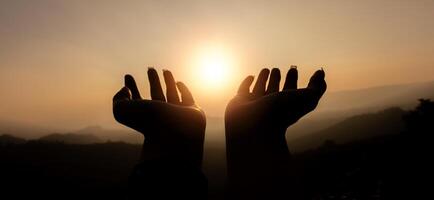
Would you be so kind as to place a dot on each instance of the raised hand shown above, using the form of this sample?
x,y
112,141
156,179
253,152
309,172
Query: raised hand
x,y
259,164
266,110
173,128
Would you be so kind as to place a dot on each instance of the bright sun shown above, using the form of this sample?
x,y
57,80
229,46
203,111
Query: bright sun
x,y
214,64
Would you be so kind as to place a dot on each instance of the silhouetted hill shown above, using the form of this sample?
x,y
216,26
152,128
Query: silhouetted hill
x,y
24,130
40,170
70,138
377,98
125,135
354,128
9,139
30,131
335,107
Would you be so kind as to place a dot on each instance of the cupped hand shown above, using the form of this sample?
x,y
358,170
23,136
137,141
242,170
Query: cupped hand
x,y
266,111
173,127
259,161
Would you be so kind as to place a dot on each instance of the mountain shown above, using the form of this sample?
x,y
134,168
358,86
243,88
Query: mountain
x,y
358,127
9,139
335,107
71,138
24,129
376,98
125,134
31,131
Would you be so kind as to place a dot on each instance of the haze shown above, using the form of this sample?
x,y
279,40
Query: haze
x,y
62,61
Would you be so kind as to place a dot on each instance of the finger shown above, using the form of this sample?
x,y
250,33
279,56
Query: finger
x,y
155,85
317,82
291,79
273,84
171,92
122,95
259,89
245,86
187,97
130,83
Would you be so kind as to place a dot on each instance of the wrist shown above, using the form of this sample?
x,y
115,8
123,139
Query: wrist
x,y
267,138
180,152
257,165
246,146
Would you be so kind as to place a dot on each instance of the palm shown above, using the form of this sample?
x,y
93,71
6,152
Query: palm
x,y
172,125
158,120
270,109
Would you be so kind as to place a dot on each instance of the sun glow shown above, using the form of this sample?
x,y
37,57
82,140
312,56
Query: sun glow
x,y
213,66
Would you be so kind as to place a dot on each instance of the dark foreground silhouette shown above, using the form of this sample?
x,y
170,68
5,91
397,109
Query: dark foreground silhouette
x,y
258,157
174,130
259,162
392,166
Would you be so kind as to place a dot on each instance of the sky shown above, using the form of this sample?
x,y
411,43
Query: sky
x,y
62,61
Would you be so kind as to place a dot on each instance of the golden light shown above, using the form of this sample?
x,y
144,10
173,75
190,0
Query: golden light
x,y
213,66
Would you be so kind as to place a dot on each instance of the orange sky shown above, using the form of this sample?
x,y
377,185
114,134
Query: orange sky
x,y
61,61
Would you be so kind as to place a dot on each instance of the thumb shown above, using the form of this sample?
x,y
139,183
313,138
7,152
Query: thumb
x,y
317,82
123,95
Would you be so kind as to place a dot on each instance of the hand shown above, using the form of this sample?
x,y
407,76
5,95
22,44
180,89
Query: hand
x,y
267,113
259,164
173,129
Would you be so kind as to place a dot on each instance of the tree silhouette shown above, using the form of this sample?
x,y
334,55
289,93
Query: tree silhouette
x,y
420,120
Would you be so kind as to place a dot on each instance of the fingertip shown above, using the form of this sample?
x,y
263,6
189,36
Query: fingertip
x,y
291,78
124,88
323,72
247,82
264,74
293,69
265,71
151,70
320,74
128,76
317,81
127,79
155,85
275,71
171,92
244,87
132,86
259,88
168,74
274,82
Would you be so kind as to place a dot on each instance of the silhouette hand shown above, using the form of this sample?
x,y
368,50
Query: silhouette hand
x,y
259,164
173,129
265,114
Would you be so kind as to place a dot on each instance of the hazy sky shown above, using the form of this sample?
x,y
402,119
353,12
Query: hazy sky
x,y
62,61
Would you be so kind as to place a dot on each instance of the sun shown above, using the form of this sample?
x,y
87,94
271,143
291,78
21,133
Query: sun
x,y
213,66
